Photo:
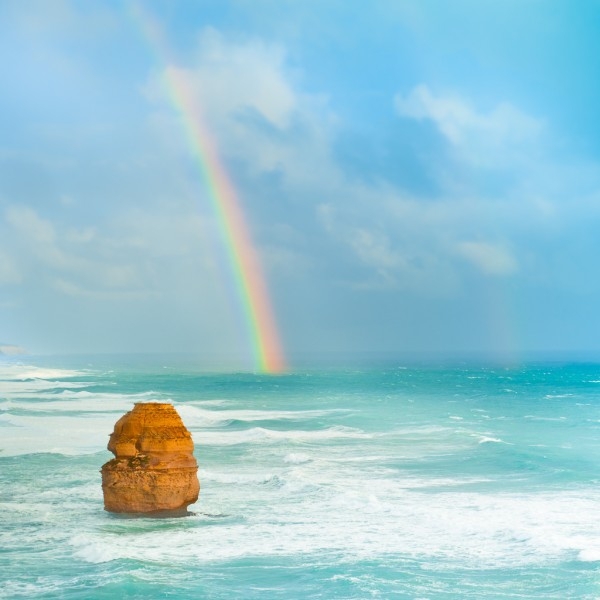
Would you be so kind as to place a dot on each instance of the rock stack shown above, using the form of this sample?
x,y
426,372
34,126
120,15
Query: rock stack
x,y
154,469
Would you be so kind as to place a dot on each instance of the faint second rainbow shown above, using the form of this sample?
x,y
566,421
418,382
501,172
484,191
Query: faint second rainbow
x,y
245,265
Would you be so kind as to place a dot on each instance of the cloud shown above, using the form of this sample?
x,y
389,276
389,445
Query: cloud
x,y
380,236
252,106
402,252
39,239
26,222
9,273
233,79
489,258
128,258
143,280
483,137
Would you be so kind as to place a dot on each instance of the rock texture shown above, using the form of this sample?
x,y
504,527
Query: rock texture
x,y
154,469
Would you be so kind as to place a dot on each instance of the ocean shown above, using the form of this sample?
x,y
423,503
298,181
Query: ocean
x,y
387,481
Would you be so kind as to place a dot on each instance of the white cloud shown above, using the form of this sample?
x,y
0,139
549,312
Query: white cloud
x,y
40,239
413,244
127,257
232,82
80,254
77,290
9,273
244,75
30,225
484,137
489,258
230,78
404,241
405,253
143,275
373,248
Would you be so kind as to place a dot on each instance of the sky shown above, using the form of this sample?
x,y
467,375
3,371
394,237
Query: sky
x,y
418,177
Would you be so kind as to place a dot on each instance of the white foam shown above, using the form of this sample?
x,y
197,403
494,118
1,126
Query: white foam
x,y
490,440
262,435
240,478
84,395
83,401
416,483
19,372
366,519
296,458
88,550
422,430
39,388
69,435
590,554
43,585
68,423
200,417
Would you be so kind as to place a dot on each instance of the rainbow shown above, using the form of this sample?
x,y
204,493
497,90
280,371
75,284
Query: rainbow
x,y
242,256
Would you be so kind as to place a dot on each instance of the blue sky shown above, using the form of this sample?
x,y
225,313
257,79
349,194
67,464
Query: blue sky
x,y
419,176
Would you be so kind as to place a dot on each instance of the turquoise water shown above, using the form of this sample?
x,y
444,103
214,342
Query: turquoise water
x,y
387,482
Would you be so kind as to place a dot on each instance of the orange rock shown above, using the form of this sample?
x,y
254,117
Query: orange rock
x,y
154,468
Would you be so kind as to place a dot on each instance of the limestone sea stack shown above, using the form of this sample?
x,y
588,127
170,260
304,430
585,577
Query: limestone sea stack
x,y
154,469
